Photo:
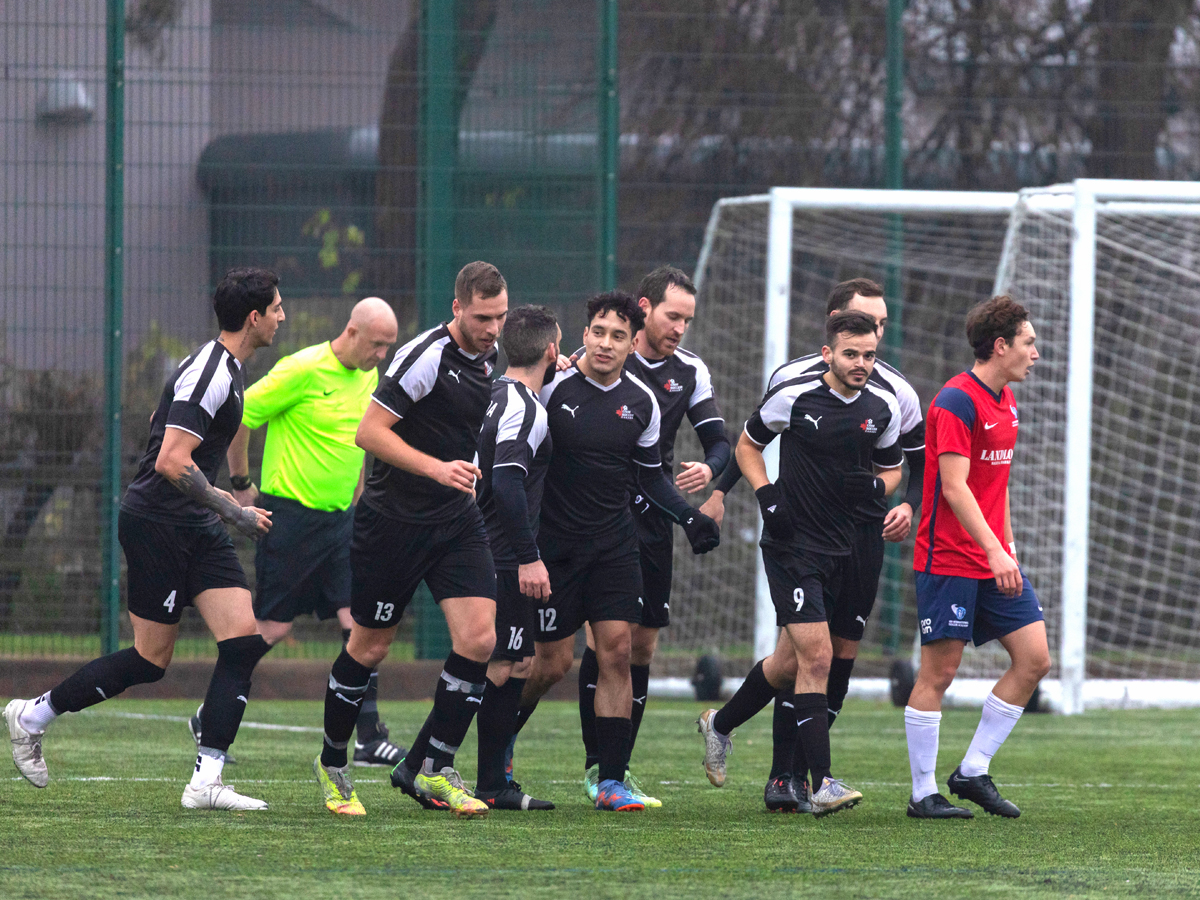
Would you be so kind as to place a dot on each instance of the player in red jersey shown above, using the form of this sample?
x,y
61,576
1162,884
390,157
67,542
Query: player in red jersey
x,y
969,585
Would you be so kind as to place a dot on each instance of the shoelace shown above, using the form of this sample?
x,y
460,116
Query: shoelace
x,y
342,783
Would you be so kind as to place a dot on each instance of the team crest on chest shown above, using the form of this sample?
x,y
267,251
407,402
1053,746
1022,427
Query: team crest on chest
x,y
672,386
488,369
869,427
624,412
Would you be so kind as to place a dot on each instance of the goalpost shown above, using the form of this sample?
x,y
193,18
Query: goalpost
x,y
1106,483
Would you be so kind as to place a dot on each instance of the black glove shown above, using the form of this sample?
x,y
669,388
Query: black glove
x,y
776,521
859,485
702,532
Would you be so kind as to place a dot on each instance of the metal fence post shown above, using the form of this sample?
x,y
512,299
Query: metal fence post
x,y
114,268
609,140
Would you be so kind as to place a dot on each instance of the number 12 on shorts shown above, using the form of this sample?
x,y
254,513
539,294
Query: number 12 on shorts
x,y
547,619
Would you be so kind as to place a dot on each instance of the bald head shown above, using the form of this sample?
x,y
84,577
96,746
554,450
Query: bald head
x,y
371,330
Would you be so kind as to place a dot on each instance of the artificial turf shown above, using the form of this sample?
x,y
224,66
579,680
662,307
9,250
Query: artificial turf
x,y
1109,808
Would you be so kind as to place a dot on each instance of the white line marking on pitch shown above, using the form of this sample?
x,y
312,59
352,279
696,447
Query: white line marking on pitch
x,y
260,726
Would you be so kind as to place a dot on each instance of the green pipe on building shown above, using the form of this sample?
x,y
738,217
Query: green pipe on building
x,y
114,311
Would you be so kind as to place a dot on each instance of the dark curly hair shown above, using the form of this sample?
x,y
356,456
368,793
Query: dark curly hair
x,y
622,303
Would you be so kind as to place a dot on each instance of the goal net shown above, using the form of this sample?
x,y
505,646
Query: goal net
x,y
762,301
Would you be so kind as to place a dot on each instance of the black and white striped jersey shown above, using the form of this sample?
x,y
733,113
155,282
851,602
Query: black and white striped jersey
x,y
515,434
912,422
823,436
440,394
597,430
204,398
682,386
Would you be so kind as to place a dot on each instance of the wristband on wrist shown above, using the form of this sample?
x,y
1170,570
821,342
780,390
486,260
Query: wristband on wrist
x,y
1012,548
240,482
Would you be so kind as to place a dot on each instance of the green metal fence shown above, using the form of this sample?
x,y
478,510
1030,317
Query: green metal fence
x,y
357,149
375,146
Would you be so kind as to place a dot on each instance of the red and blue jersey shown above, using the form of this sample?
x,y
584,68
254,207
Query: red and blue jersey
x,y
967,418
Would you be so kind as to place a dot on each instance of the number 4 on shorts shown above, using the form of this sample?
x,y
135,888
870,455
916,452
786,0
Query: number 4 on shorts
x,y
169,603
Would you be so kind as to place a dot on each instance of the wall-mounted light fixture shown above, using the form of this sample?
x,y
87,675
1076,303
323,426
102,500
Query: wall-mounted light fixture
x,y
65,101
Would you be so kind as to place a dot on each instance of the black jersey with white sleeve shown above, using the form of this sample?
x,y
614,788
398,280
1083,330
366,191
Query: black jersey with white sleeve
x,y
598,430
439,392
824,436
514,453
204,398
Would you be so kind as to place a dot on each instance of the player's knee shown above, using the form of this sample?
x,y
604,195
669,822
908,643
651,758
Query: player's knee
x,y
241,654
1037,665
478,644
553,667
522,669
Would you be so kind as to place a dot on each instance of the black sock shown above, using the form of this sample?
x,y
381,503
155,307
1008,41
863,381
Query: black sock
x,y
420,746
783,734
754,694
612,734
457,698
523,714
812,725
348,681
640,675
494,723
839,683
103,678
589,674
229,690
368,715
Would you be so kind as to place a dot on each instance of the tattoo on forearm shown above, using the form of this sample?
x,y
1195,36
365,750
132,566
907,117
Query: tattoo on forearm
x,y
192,484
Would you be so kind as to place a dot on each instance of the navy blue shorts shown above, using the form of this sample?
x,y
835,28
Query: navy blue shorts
x,y
972,609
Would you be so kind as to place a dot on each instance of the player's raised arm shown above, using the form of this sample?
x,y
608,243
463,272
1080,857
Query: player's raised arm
x,y
175,464
375,435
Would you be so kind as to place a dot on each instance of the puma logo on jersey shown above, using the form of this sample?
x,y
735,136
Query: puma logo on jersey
x,y
861,619
570,410
816,421
453,373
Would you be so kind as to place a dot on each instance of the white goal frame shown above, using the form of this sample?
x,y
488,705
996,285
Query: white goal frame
x,y
1081,198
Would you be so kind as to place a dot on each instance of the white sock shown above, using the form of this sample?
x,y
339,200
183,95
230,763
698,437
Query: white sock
x,y
37,714
922,730
209,764
995,725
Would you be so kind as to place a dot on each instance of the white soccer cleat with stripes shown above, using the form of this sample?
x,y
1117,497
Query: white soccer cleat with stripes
x,y
26,747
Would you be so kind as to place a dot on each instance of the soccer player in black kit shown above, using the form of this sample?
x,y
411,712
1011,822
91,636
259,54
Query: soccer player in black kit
x,y
514,452
839,449
681,384
179,552
418,520
851,598
601,419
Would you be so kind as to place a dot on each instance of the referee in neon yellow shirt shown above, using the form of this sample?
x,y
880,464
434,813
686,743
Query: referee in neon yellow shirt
x,y
312,474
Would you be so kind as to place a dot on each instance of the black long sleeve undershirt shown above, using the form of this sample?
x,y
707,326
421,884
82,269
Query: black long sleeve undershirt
x,y
717,450
916,478
512,506
657,488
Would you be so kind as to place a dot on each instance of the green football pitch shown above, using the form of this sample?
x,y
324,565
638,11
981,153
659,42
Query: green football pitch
x,y
1109,808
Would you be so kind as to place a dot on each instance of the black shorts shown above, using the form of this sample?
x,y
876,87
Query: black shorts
x,y
389,558
656,549
516,618
302,565
851,596
169,565
594,579
798,580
